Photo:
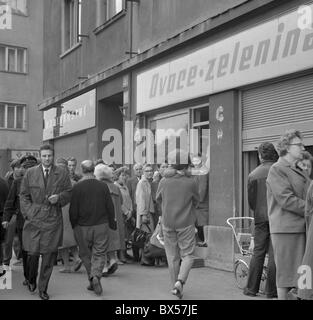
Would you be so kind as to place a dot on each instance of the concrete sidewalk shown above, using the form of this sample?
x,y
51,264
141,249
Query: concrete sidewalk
x,y
133,282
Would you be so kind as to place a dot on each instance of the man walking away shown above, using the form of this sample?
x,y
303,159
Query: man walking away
x,y
262,241
91,215
178,194
45,189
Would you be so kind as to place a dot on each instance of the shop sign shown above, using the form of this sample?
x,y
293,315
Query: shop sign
x,y
17,154
268,50
74,115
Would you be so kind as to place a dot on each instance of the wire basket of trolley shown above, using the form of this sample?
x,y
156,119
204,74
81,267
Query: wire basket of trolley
x,y
243,230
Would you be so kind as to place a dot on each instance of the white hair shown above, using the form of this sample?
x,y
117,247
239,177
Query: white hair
x,y
103,171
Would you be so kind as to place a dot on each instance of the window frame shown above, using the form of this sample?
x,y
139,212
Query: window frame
x,y
15,10
199,126
103,20
6,59
8,105
71,25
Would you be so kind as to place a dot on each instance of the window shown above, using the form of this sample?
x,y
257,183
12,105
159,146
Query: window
x,y
107,9
17,6
170,131
12,59
113,7
200,143
12,116
72,23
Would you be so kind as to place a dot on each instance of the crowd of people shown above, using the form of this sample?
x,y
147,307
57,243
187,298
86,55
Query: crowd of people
x,y
90,218
280,195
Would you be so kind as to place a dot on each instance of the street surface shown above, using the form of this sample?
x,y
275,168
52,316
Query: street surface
x,y
132,282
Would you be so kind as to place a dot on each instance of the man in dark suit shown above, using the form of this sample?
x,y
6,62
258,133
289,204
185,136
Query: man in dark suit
x,y
45,189
132,186
4,190
262,242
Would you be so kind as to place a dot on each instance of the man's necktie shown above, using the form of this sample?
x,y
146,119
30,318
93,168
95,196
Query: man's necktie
x,y
46,174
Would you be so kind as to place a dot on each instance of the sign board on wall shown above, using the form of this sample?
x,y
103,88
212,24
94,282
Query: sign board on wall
x,y
74,115
268,50
17,154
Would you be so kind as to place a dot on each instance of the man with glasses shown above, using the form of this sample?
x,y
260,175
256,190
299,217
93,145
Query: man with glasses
x,y
145,206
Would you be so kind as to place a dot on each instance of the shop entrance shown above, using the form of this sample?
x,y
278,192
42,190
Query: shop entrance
x,y
110,117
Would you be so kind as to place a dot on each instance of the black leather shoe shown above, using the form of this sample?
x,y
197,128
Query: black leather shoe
x,y
113,268
32,287
25,282
43,295
246,292
97,286
90,287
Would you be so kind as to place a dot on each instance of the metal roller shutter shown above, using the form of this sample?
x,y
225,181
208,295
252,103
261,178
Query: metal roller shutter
x,y
270,110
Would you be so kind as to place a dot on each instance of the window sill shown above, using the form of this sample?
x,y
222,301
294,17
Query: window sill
x,y
12,129
107,23
68,51
14,72
19,13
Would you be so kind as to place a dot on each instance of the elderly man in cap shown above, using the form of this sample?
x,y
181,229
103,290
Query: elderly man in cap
x,y
12,207
45,189
91,215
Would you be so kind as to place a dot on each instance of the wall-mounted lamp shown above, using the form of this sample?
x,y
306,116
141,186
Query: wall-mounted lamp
x,y
123,110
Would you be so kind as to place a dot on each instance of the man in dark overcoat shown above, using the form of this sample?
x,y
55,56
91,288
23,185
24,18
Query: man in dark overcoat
x,y
45,189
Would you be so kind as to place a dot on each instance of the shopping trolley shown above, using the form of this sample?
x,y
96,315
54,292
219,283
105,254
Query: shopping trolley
x,y
243,230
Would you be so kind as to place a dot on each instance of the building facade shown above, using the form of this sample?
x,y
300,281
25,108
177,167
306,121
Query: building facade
x,y
21,74
230,74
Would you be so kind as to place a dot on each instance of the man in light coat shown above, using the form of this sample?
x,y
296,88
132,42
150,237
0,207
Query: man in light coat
x,y
45,189
145,206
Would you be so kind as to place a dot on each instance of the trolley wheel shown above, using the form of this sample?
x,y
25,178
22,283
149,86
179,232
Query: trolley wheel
x,y
241,270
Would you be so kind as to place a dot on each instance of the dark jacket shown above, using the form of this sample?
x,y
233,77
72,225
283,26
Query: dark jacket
x,y
308,254
12,205
257,191
179,196
4,190
286,193
91,204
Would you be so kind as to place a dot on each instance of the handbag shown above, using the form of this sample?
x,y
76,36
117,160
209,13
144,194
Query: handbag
x,y
140,237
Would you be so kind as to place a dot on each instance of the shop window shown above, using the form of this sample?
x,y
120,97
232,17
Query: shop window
x,y
13,59
72,23
108,9
12,116
200,135
17,6
169,132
